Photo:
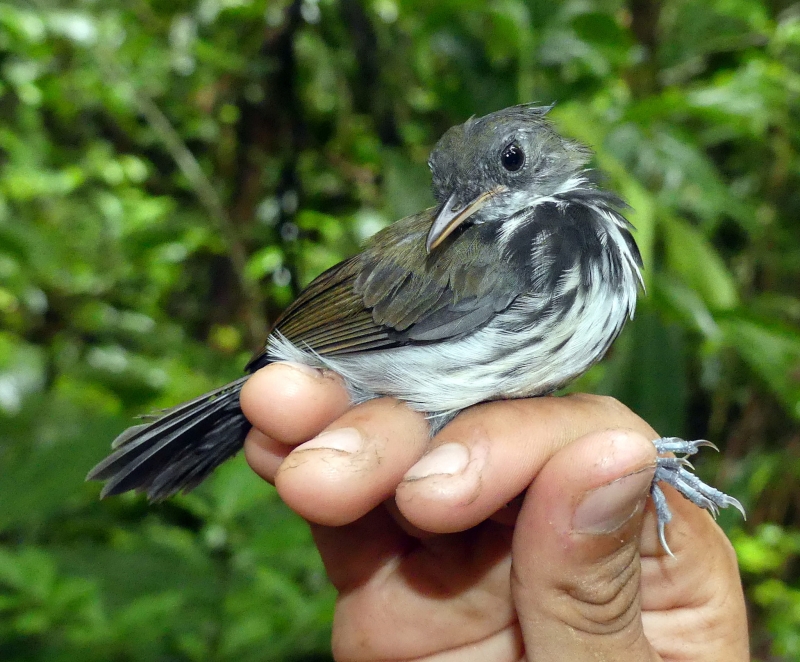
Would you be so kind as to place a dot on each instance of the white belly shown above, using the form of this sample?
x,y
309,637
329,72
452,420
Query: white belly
x,y
494,362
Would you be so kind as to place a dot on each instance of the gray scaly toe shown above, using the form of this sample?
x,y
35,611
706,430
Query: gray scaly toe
x,y
673,471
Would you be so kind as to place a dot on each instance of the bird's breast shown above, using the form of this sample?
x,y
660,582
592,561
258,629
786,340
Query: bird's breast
x,y
539,344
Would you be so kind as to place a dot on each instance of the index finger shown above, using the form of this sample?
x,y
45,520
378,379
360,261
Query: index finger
x,y
291,403
501,446
288,404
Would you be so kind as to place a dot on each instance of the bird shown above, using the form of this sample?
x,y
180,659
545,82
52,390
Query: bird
x,y
514,284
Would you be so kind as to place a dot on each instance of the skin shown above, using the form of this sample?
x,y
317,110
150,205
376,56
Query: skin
x,y
521,531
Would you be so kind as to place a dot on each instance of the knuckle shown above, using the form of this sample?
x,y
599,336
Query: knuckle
x,y
611,404
730,560
600,401
617,413
605,600
725,570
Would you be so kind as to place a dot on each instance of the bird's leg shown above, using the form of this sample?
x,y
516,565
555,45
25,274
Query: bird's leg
x,y
673,471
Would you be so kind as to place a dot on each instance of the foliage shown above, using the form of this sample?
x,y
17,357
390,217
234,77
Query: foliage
x,y
172,173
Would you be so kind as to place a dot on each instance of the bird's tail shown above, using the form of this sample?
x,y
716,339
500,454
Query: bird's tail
x,y
178,449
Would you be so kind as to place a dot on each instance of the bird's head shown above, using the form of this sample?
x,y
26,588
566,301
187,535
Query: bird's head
x,y
493,167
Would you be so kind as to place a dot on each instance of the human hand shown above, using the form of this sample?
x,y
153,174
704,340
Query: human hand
x,y
432,564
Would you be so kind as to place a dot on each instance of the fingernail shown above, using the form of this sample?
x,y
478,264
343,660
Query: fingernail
x,y
301,367
445,460
607,508
346,440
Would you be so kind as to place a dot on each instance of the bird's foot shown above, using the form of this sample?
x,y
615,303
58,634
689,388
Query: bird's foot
x,y
673,471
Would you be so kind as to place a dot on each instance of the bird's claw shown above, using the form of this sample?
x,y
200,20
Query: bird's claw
x,y
672,470
678,445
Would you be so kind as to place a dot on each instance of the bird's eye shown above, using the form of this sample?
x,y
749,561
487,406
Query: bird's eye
x,y
512,158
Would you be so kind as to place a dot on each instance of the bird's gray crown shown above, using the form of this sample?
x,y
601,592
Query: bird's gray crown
x,y
514,153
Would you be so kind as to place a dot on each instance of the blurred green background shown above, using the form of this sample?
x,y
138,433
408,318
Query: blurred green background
x,y
173,171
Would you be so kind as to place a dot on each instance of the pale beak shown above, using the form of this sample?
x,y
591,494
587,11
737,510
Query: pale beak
x,y
451,216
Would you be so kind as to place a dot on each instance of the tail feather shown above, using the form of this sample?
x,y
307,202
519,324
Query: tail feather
x,y
155,438
194,464
165,448
178,449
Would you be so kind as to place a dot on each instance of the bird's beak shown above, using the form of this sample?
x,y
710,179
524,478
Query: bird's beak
x,y
451,215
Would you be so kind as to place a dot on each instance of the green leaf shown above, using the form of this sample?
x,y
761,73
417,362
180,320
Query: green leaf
x,y
773,353
687,305
694,259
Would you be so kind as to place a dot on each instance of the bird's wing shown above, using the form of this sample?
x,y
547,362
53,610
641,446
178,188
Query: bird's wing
x,y
394,293
329,317
454,290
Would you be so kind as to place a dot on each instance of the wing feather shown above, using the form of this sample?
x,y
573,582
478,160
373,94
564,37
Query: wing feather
x,y
394,293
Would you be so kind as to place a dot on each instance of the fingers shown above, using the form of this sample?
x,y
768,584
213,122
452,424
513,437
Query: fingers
x,y
264,454
576,569
348,469
355,552
475,466
355,464
478,464
287,403
291,402
490,453
445,598
698,593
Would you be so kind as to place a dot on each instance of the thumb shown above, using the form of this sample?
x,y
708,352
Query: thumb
x,y
576,567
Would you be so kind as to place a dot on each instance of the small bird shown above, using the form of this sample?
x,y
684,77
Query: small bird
x,y
512,286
